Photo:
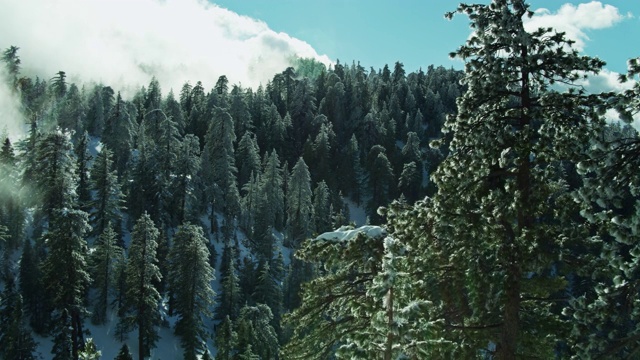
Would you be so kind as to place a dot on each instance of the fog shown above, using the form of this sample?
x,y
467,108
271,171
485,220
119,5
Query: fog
x,y
124,43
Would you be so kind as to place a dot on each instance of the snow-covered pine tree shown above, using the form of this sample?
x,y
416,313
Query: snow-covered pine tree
x,y
141,309
218,164
268,291
610,203
501,207
226,340
190,276
118,134
229,298
338,307
273,188
82,171
247,158
254,329
187,168
53,172
108,197
105,258
66,276
322,215
299,204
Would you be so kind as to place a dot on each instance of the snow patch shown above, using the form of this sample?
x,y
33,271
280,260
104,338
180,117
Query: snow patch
x,y
346,234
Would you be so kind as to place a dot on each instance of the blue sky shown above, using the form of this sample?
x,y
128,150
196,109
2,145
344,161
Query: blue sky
x,y
126,42
378,32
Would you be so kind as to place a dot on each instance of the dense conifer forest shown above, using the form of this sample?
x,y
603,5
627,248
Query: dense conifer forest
x,y
500,203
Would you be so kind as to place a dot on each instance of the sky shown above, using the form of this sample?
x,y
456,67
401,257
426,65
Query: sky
x,y
415,32
124,43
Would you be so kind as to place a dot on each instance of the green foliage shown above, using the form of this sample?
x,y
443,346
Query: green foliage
x,y
140,309
502,210
190,277
90,351
124,353
254,329
16,341
66,275
105,259
299,204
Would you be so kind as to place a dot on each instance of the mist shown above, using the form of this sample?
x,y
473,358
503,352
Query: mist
x,y
124,43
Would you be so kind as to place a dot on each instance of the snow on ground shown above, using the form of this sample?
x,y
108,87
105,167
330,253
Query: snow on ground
x,y
357,212
346,233
168,347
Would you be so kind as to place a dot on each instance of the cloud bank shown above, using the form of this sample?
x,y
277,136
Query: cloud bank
x,y
126,42
576,21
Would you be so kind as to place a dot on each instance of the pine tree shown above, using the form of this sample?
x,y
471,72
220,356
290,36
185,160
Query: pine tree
x,y
502,204
32,289
82,170
106,256
16,341
299,204
226,340
605,290
322,208
247,158
220,170
143,187
175,112
190,276
118,134
339,308
90,351
228,300
124,353
273,188
268,291
53,172
184,182
66,275
141,300
254,329
380,182
108,200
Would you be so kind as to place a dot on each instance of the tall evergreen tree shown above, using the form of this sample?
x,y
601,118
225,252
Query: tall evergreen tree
x,y
184,182
106,256
53,172
83,159
118,134
141,300
502,204
108,196
124,353
254,329
229,298
190,276
16,341
299,204
226,340
247,158
606,290
220,170
66,275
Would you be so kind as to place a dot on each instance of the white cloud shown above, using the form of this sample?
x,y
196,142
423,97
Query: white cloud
x,y
575,21
125,42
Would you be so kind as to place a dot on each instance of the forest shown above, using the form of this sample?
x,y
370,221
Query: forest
x,y
333,213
